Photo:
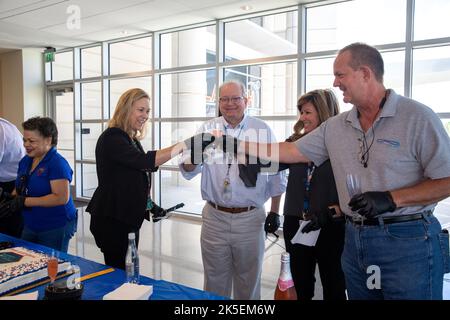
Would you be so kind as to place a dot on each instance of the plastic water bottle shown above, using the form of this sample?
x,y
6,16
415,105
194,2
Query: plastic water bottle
x,y
132,260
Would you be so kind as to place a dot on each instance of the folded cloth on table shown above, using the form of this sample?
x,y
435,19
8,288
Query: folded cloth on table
x,y
24,296
130,291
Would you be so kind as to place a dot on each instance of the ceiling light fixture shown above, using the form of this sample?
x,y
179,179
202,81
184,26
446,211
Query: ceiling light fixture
x,y
246,8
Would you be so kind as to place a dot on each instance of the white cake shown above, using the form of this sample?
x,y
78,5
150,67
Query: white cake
x,y
31,267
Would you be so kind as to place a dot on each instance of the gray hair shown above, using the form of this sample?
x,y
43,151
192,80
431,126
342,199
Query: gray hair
x,y
238,83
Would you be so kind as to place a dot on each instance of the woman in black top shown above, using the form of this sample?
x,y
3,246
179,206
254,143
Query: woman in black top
x,y
311,194
119,204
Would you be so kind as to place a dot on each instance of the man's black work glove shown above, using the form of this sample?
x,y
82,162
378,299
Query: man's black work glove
x,y
229,144
272,222
248,172
11,204
158,213
373,203
197,144
319,220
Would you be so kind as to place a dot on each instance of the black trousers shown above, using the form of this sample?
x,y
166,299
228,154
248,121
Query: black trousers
x,y
111,236
327,254
12,225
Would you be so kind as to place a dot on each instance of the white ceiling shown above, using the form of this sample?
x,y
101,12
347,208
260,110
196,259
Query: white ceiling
x,y
48,23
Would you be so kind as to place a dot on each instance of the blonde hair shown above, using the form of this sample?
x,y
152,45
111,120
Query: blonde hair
x,y
124,107
325,103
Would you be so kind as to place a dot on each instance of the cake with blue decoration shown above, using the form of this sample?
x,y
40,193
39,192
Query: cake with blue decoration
x,y
21,267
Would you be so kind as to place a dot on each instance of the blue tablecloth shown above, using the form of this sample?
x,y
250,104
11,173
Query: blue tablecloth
x,y
96,288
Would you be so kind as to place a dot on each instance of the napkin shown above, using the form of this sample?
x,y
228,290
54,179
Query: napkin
x,y
130,291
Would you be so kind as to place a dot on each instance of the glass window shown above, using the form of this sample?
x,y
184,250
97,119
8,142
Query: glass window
x,y
147,141
91,62
173,132
89,136
70,157
266,36
118,87
319,75
131,56
175,189
188,47
431,77
431,19
62,67
89,179
271,88
189,94
91,100
64,122
64,119
446,123
282,128
334,26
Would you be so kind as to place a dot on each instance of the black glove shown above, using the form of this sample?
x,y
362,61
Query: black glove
x,y
158,213
373,203
197,144
11,204
272,222
249,172
229,144
319,220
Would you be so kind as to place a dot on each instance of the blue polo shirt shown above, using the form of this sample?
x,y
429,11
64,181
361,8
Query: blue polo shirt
x,y
37,184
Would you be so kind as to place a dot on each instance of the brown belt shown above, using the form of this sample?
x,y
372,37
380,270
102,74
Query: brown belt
x,y
230,210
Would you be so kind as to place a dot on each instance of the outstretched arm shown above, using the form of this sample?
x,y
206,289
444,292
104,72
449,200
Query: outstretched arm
x,y
164,155
285,152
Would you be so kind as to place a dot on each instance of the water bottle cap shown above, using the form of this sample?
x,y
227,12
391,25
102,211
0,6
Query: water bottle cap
x,y
131,236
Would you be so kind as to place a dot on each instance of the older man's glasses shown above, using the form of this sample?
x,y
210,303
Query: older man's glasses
x,y
232,99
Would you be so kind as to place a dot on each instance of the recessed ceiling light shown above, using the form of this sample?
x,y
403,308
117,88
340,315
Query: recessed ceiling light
x,y
246,8
124,32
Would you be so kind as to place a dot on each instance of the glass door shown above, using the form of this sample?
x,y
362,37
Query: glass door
x,y
62,111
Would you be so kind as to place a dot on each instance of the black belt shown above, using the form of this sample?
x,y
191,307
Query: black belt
x,y
231,210
388,220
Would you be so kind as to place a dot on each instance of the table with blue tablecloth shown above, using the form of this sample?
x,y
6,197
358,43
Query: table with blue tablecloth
x,y
95,288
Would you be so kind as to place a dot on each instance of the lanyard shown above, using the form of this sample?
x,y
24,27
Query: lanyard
x,y
309,173
227,178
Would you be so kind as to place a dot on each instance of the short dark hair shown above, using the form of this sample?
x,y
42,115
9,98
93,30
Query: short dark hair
x,y
363,54
44,125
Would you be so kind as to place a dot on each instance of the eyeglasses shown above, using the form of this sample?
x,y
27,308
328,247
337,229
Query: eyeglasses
x,y
364,149
232,99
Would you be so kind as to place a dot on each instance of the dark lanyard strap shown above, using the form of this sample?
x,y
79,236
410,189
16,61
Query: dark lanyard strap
x,y
24,179
309,173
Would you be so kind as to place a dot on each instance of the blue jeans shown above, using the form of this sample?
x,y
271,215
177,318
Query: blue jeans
x,y
403,260
57,239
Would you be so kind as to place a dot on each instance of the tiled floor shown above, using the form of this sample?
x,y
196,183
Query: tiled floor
x,y
170,250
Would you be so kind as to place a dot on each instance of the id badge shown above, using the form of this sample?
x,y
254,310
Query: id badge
x,y
227,189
